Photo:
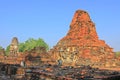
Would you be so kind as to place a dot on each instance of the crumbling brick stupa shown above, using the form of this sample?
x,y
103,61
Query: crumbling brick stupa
x,y
81,45
14,46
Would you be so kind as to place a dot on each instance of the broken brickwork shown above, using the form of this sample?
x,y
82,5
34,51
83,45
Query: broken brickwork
x,y
14,46
81,45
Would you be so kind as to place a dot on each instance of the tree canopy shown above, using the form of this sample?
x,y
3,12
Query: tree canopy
x,y
1,47
117,54
7,50
30,44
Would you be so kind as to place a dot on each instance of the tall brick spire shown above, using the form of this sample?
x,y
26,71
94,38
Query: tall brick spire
x,y
81,45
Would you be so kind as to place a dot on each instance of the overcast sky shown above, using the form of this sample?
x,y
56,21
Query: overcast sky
x,y
50,19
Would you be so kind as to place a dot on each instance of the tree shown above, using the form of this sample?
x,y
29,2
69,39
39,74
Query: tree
x,y
7,50
32,43
1,47
117,54
22,47
2,51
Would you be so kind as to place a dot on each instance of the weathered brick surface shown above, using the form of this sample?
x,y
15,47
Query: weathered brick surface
x,y
14,46
81,45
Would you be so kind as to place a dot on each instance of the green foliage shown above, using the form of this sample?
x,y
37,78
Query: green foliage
x,y
117,54
22,47
29,44
7,50
32,43
1,47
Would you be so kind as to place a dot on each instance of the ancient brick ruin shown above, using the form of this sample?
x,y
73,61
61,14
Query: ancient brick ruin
x,y
75,57
2,52
14,46
81,45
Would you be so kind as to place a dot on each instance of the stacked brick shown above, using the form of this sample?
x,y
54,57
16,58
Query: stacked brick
x,y
81,45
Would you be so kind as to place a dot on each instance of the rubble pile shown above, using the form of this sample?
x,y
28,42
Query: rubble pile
x,y
49,72
8,71
55,72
